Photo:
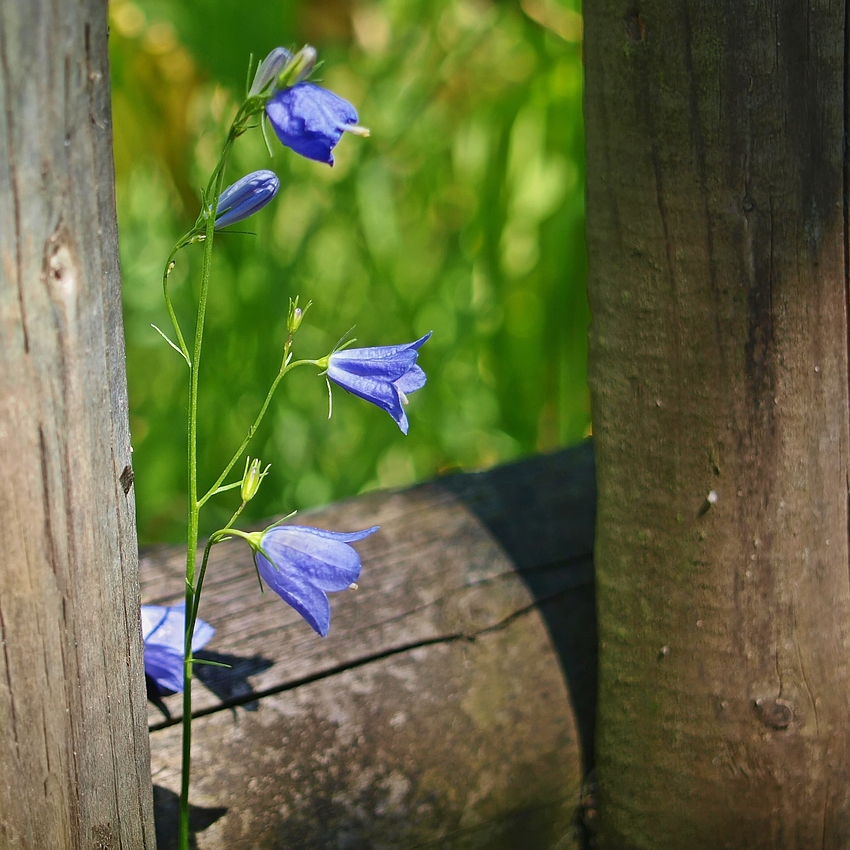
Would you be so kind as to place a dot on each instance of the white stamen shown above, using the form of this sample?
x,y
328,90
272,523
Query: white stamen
x,y
356,130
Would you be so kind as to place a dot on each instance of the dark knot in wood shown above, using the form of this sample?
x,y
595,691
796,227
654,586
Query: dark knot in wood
x,y
126,479
635,28
777,713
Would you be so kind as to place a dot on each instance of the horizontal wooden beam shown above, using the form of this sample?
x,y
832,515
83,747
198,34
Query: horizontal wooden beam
x,y
451,705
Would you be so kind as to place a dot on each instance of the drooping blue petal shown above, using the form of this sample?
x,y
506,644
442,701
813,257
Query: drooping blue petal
x,y
382,352
310,120
324,558
412,380
377,390
339,536
165,666
164,624
307,599
162,632
153,618
302,565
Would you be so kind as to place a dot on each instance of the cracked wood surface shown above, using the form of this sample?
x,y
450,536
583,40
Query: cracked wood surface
x,y
74,761
452,704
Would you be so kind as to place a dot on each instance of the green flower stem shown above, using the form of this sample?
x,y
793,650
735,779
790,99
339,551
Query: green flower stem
x,y
214,538
233,519
210,204
192,539
287,367
204,230
198,232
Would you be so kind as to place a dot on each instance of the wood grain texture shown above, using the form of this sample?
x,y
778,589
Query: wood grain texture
x,y
717,233
452,704
74,758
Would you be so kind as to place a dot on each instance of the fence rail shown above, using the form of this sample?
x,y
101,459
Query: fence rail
x,y
451,706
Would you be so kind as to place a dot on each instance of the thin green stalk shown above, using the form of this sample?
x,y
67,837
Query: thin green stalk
x,y
287,367
211,201
193,589
215,537
201,573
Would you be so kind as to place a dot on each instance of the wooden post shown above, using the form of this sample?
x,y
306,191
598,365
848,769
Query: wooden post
x,y
717,225
74,758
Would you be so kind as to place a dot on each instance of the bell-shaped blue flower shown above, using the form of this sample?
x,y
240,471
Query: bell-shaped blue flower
x,y
311,120
385,375
302,565
245,197
162,632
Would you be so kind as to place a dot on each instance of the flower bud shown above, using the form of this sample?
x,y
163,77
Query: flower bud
x,y
245,197
252,478
296,315
268,70
298,68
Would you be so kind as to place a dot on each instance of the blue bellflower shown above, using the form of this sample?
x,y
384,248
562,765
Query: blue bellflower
x,y
311,120
385,375
302,565
245,197
162,631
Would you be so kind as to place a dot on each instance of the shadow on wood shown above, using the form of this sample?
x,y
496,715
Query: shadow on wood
x,y
542,512
452,705
167,808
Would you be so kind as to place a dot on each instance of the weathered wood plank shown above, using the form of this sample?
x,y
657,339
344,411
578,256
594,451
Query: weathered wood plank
x,y
74,763
437,746
436,570
451,706
717,225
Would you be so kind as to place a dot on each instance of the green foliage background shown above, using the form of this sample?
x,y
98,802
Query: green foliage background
x,y
462,214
